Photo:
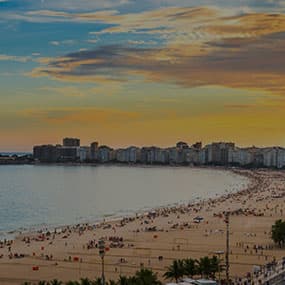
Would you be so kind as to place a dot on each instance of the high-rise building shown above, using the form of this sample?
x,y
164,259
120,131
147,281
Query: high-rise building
x,y
69,153
182,145
46,153
220,152
94,150
69,142
104,153
280,157
197,145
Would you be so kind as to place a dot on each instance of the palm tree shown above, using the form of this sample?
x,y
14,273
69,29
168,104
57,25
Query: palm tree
x,y
190,267
98,281
133,280
216,266
86,281
175,270
56,282
43,283
123,280
204,266
72,283
147,277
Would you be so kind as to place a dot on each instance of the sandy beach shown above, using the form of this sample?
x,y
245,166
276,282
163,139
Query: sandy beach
x,y
71,253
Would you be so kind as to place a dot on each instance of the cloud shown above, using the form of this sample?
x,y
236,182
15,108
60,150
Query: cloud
x,y
92,41
35,57
85,5
64,42
177,25
238,106
66,5
236,63
54,43
198,46
138,5
68,91
78,116
21,59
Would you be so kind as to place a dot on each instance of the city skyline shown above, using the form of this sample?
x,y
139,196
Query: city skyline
x,y
128,72
220,153
115,146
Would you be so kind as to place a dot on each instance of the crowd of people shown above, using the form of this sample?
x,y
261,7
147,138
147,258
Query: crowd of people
x,y
257,199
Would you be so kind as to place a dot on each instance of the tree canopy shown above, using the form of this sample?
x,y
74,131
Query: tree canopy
x,y
205,266
278,233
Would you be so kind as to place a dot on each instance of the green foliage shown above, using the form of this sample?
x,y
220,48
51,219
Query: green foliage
x,y
205,266
215,266
175,270
98,281
146,277
72,283
208,267
190,268
43,283
56,282
86,281
123,280
278,233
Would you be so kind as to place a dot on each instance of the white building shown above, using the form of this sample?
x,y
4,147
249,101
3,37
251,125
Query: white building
x,y
121,155
84,153
133,154
208,154
104,154
173,155
280,157
269,157
240,156
191,156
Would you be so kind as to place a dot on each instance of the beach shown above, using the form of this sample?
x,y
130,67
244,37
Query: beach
x,y
154,238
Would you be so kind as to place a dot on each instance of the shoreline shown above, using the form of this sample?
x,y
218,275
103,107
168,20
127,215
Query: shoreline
x,y
169,232
139,164
34,229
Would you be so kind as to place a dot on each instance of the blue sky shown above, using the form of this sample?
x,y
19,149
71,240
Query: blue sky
x,y
141,72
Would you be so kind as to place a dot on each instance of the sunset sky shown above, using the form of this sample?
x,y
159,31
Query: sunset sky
x,y
142,72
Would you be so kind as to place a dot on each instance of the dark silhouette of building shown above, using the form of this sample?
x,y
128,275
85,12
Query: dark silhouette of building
x,y
94,150
197,145
67,154
182,145
220,152
71,142
46,153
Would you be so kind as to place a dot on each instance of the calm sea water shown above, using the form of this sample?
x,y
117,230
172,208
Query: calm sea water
x,y
35,196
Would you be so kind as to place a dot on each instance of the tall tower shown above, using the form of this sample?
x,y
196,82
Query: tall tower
x,y
94,150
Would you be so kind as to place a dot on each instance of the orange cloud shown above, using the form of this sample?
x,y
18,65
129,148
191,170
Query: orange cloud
x,y
78,116
204,46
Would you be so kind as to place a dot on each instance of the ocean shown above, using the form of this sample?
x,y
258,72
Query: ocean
x,y
39,196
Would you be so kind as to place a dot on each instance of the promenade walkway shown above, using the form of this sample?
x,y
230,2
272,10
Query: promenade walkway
x,y
270,274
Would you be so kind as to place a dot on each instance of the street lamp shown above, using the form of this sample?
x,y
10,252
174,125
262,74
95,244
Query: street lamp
x,y
102,250
227,221
219,253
